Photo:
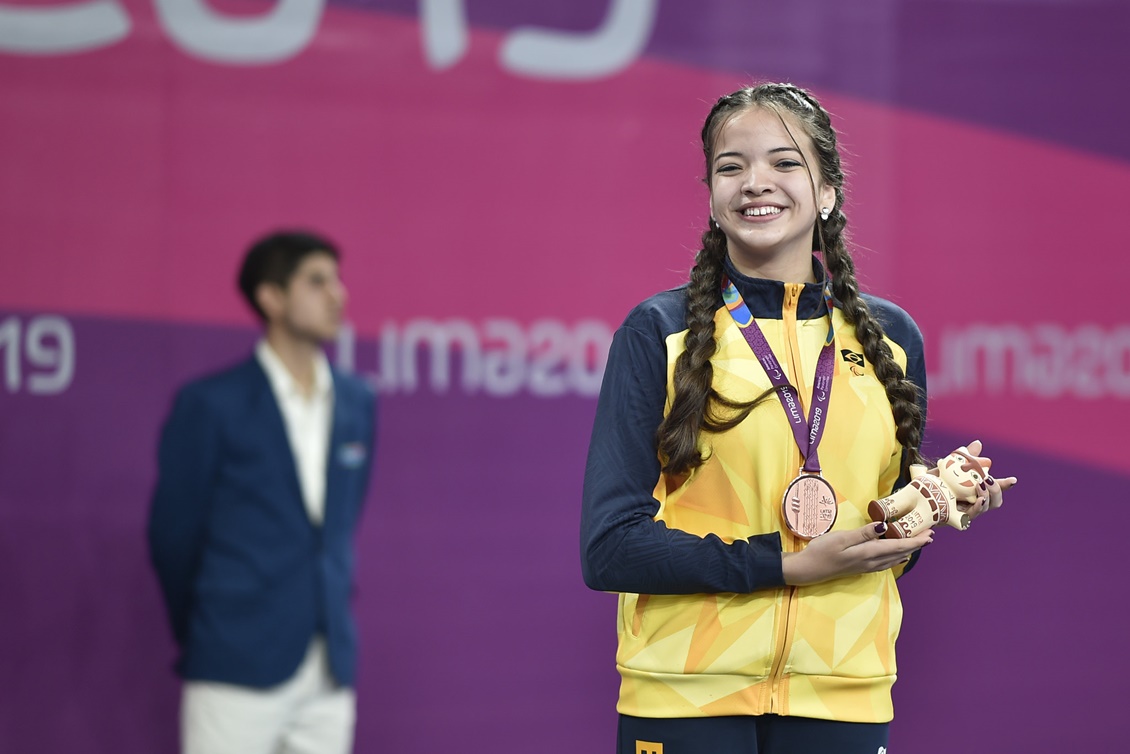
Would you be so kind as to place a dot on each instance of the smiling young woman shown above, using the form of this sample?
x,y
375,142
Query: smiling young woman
x,y
762,195
745,422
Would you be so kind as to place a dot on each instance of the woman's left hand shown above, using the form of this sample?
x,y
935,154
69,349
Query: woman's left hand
x,y
994,486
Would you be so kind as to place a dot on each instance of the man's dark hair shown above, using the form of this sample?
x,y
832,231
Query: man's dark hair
x,y
274,259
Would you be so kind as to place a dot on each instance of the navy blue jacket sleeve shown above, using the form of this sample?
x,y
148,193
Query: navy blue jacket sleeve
x,y
373,407
623,547
188,459
900,327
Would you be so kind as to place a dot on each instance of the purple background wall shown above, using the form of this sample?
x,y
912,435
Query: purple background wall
x,y
501,211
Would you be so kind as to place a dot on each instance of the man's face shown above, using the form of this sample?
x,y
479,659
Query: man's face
x,y
310,308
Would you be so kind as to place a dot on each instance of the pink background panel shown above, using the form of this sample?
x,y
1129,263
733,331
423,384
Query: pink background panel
x,y
471,192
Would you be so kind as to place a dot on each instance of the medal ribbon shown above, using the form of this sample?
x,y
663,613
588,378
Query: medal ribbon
x,y
808,434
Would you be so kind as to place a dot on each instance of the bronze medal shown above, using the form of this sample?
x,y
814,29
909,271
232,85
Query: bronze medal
x,y
809,506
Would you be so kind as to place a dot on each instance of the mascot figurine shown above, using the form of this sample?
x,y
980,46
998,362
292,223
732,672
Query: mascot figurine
x,y
953,493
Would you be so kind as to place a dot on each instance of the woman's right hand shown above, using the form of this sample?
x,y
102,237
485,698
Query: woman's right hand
x,y
843,553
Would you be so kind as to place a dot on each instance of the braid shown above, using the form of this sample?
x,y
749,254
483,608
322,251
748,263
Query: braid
x,y
901,392
696,404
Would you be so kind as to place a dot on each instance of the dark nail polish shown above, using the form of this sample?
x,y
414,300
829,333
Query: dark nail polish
x,y
881,527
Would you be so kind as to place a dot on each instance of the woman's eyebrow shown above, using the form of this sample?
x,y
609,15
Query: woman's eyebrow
x,y
775,150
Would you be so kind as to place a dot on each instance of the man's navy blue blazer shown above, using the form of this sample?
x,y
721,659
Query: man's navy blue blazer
x,y
247,577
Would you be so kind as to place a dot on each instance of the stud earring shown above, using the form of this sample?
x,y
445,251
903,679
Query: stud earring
x,y
824,214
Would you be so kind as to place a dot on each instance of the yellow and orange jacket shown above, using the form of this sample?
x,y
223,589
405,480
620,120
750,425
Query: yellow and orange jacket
x,y
706,625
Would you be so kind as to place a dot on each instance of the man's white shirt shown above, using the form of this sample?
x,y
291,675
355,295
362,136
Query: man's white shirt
x,y
308,422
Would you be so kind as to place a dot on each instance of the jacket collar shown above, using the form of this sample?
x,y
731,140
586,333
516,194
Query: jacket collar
x,y
282,382
766,298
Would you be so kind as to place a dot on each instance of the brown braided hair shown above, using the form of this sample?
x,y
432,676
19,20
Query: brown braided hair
x,y
697,406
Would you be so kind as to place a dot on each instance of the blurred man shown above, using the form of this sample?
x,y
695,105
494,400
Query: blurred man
x,y
263,468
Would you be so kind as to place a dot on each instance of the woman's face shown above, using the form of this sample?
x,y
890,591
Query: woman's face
x,y
760,191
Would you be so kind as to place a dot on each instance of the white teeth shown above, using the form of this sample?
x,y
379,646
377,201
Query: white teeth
x,y
759,211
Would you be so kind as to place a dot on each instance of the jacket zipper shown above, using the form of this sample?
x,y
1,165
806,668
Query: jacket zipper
x,y
786,626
